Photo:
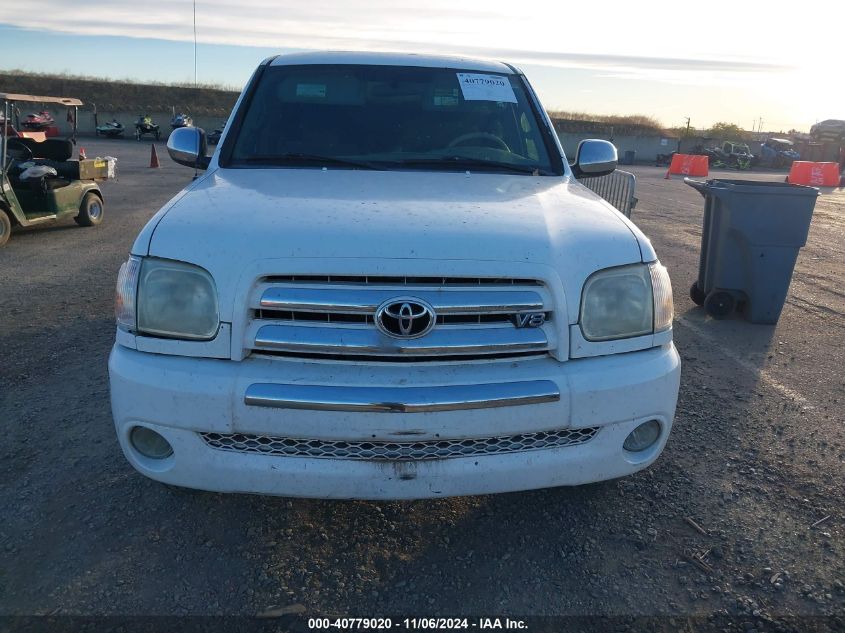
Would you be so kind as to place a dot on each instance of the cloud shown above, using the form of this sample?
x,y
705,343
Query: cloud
x,y
492,29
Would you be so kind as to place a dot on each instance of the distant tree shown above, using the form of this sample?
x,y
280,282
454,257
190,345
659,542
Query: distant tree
x,y
682,131
727,132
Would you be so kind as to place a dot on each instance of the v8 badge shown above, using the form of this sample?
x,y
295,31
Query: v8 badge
x,y
529,319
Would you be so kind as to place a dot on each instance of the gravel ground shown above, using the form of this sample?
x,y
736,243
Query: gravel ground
x,y
755,460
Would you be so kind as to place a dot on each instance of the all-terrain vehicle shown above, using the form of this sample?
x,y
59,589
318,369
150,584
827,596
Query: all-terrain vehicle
x,y
144,126
38,180
214,137
732,155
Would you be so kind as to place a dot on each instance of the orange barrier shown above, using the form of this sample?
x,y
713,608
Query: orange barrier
x,y
35,136
688,165
153,156
804,172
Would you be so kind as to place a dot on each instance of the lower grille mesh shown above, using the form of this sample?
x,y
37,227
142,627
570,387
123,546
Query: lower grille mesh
x,y
394,451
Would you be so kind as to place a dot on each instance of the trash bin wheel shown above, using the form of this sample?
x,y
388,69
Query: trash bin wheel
x,y
697,294
719,304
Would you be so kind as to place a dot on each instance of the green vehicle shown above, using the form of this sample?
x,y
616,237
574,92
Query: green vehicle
x,y
38,180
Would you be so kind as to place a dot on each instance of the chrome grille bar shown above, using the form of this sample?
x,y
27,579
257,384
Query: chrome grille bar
x,y
401,399
444,340
366,300
334,316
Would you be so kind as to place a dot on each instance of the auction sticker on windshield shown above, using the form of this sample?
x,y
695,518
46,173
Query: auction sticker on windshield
x,y
477,87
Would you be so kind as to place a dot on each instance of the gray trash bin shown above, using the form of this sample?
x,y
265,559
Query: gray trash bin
x,y
749,243
629,157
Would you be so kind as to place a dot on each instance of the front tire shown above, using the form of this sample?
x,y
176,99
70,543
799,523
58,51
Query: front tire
x,y
90,211
5,227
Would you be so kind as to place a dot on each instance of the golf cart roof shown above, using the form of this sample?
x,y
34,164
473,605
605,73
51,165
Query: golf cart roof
x,y
780,140
68,101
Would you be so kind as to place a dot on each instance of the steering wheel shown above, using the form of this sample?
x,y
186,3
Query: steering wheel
x,y
18,151
480,135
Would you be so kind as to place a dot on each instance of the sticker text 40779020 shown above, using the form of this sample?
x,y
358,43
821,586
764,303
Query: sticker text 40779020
x,y
476,87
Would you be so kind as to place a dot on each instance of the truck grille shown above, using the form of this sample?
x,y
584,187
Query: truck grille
x,y
397,451
334,317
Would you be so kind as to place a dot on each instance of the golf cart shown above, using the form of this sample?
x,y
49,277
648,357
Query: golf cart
x,y
778,152
39,181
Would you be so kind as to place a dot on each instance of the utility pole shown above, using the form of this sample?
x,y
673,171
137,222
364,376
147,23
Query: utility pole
x,y
195,43
685,135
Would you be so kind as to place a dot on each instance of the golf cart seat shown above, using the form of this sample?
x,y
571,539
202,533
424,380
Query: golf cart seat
x,y
51,153
56,149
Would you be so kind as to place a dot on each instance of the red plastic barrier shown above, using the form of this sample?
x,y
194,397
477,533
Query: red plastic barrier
x,y
804,172
688,165
51,131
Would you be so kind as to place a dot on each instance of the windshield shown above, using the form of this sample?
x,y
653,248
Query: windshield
x,y
391,117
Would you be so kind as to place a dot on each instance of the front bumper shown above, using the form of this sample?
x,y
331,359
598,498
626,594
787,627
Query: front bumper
x,y
181,397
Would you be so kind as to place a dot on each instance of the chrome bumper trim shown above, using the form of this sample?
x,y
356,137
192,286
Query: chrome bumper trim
x,y
401,399
357,300
369,341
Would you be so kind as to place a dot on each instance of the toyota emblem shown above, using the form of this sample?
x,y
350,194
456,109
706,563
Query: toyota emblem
x,y
405,317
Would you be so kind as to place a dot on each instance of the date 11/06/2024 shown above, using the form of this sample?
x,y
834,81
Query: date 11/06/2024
x,y
429,624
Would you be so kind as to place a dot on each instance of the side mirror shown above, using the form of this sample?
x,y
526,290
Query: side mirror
x,y
594,157
187,146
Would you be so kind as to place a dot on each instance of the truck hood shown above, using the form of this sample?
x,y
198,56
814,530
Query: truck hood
x,y
231,218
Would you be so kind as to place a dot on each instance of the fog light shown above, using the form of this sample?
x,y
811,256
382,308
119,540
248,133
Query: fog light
x,y
149,443
642,437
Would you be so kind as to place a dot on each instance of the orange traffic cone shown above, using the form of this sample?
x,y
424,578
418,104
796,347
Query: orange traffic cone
x,y
154,156
82,155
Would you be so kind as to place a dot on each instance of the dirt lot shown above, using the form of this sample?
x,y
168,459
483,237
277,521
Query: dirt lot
x,y
755,459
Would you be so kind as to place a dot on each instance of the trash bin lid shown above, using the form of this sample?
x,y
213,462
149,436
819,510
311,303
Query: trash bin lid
x,y
755,187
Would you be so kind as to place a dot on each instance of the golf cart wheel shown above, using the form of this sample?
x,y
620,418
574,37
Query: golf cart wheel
x,y
5,227
697,294
719,304
90,211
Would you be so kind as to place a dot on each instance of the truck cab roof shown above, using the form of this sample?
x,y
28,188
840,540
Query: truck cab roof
x,y
392,59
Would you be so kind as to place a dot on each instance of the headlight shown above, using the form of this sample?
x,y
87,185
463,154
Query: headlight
x,y
176,300
162,297
626,301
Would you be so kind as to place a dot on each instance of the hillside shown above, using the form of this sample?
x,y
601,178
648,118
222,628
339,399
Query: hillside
x,y
126,96
122,96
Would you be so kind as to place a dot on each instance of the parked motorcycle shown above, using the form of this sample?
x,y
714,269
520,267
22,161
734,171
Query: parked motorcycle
x,y
181,120
38,122
112,129
144,126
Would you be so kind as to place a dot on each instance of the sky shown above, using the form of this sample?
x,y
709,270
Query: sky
x,y
711,61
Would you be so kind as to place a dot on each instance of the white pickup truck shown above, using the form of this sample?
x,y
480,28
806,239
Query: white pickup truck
x,y
388,284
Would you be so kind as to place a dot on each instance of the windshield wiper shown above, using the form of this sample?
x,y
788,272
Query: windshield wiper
x,y
298,157
462,162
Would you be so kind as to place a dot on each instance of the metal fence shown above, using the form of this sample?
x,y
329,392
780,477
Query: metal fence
x,y
617,188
